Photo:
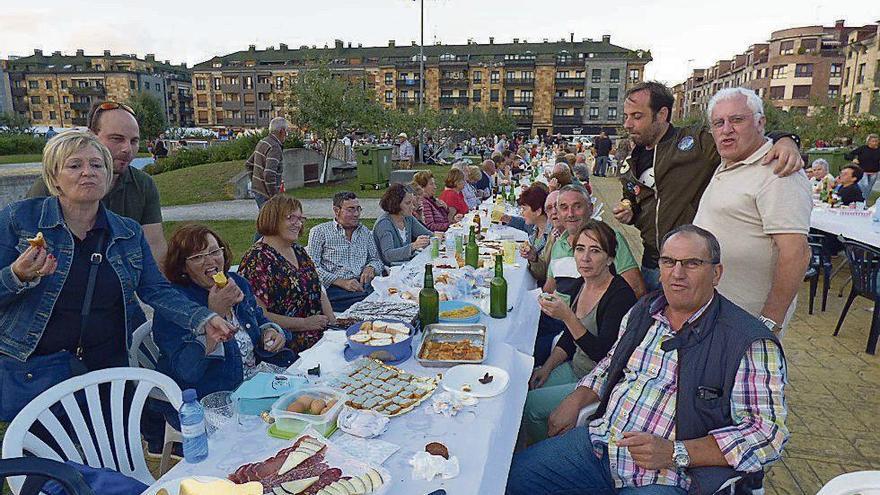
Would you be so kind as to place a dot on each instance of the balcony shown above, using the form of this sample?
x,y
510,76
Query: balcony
x,y
264,105
16,76
98,91
81,106
407,83
407,101
519,102
568,100
407,64
568,119
571,81
264,88
230,88
454,83
569,62
233,122
520,62
231,105
456,62
453,100
524,118
519,81
19,91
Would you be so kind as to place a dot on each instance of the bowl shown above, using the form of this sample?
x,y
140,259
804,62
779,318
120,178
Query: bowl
x,y
386,353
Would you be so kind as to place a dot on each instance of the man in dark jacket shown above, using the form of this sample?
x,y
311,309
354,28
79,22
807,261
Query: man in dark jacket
x,y
664,178
689,397
867,157
602,146
848,179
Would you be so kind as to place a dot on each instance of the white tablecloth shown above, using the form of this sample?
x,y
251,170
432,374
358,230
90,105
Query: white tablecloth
x,y
858,228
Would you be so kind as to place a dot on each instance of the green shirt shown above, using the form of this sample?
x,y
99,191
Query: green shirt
x,y
564,269
135,196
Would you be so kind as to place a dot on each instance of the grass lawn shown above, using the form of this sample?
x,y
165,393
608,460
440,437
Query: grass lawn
x,y
27,158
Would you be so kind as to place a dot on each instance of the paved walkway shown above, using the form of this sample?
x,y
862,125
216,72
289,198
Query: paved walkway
x,y
246,209
833,384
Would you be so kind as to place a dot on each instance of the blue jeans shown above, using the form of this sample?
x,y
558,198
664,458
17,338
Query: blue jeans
x,y
601,166
867,184
342,299
651,277
548,329
566,465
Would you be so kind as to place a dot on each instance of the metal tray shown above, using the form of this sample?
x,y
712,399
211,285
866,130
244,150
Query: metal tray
x,y
453,332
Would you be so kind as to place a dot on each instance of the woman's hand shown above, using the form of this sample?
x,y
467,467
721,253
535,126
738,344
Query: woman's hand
x,y
222,300
33,263
457,217
421,242
528,252
554,306
316,322
539,377
442,203
273,340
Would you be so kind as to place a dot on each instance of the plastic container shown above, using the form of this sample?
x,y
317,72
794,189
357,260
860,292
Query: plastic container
x,y
192,428
293,423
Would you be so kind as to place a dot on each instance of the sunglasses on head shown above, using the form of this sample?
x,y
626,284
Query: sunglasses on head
x,y
109,105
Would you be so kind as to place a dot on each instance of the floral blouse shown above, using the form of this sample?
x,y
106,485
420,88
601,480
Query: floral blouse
x,y
285,289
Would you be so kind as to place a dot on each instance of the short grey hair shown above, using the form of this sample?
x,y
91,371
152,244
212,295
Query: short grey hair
x,y
752,100
870,137
821,163
578,189
277,124
582,172
561,165
712,244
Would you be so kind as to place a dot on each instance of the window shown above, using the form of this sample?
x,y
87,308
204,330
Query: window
x,y
51,100
860,74
846,77
66,115
216,84
147,85
635,75
578,93
263,79
495,77
65,99
612,94
33,84
596,75
48,84
63,84
52,115
803,70
856,108
612,113
248,83
38,115
493,95
35,100
579,74
264,114
477,95
203,117
808,44
131,85
778,71
836,69
786,47
833,92
562,74
389,78
445,93
526,95
510,75
801,92
594,113
594,94
389,96
560,112
615,75
478,76
875,102
250,118
777,92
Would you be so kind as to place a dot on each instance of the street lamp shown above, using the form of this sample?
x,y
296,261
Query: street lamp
x,y
421,72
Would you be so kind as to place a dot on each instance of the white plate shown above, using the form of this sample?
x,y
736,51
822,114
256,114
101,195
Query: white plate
x,y
469,374
173,486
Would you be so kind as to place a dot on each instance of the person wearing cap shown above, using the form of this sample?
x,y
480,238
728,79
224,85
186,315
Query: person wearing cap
x,y
407,153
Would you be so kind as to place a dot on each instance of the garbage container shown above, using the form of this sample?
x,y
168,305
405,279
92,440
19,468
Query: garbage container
x,y
834,157
374,165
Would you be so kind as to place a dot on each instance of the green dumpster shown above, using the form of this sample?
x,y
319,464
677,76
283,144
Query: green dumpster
x,y
374,165
834,157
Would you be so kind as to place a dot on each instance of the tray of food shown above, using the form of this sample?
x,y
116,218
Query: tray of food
x,y
373,385
449,344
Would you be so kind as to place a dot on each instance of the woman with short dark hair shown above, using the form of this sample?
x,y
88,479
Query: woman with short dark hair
x,y
453,195
398,235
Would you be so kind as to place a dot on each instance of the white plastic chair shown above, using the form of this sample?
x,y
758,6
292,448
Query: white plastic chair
x,y
142,354
860,482
125,431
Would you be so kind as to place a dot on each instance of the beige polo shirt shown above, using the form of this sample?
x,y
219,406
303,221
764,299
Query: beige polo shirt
x,y
743,205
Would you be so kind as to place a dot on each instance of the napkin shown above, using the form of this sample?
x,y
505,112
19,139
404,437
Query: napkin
x,y
427,466
362,423
327,352
374,452
449,403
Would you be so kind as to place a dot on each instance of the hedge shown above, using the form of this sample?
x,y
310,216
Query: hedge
x,y
237,149
21,144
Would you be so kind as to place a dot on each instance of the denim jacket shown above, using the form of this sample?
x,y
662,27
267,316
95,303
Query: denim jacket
x,y
26,307
183,354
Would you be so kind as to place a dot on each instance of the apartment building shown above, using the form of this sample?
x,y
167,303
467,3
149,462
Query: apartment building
x,y
562,86
60,90
5,89
860,89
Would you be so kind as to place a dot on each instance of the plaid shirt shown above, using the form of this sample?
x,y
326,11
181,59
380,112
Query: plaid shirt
x,y
337,258
645,399
265,166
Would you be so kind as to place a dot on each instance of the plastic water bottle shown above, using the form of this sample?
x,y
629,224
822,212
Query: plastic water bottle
x,y
875,223
192,428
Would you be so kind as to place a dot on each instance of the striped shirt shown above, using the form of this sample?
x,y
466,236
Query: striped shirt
x,y
338,258
645,401
264,166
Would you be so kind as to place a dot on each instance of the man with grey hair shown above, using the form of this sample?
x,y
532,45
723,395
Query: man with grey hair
x,y
760,219
264,164
867,157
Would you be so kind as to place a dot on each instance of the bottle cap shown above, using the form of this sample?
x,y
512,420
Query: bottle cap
x,y
189,395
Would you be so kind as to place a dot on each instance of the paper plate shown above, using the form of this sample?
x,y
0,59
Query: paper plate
x,y
453,305
469,374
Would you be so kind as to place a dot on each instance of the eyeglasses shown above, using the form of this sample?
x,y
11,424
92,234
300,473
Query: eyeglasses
x,y
108,105
200,258
687,263
734,120
353,209
295,218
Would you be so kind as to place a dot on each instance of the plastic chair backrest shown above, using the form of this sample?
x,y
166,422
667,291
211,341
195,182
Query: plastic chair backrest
x,y
864,264
125,431
39,471
143,352
860,482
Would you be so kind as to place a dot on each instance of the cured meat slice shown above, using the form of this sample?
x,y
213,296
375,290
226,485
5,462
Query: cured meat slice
x,y
315,469
269,467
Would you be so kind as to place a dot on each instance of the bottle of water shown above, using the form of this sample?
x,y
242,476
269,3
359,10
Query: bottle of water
x,y
192,428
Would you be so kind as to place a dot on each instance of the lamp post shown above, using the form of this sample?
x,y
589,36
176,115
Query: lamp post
x,y
421,73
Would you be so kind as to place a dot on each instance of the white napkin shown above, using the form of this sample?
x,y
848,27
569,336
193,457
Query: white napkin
x,y
449,403
427,466
361,422
374,452
327,352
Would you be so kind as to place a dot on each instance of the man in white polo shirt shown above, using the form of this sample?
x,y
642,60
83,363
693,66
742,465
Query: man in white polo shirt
x,y
760,219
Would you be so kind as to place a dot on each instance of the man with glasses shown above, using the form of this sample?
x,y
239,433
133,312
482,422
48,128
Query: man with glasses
x,y
690,397
133,193
345,254
760,219
669,167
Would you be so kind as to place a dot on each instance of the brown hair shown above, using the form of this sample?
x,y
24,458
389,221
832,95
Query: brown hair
x,y
563,177
570,159
392,198
422,178
534,197
186,241
602,233
659,97
453,177
274,211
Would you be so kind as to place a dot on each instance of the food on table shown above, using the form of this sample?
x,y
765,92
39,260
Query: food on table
x,y
306,449
393,290
487,379
379,333
384,389
446,267
218,487
220,280
368,482
437,448
463,350
267,471
296,486
465,388
310,405
37,241
373,310
461,313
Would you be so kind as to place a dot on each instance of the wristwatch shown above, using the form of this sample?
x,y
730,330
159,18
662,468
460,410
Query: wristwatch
x,y
770,324
680,455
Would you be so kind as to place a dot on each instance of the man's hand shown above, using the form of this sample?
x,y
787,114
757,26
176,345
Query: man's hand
x,y
367,276
350,284
218,329
564,417
787,156
539,377
647,450
623,214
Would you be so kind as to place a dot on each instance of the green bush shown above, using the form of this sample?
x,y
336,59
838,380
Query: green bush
x,y
21,144
237,149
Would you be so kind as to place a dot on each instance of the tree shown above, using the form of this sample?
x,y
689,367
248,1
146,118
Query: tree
x,y
331,105
11,123
150,115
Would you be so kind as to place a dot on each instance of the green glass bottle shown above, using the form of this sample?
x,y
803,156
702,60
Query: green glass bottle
x,y
472,251
429,299
498,290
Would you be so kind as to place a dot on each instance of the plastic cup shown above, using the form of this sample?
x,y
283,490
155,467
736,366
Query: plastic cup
x,y
509,252
219,410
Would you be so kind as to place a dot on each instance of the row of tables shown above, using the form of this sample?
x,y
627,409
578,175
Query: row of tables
x,y
841,222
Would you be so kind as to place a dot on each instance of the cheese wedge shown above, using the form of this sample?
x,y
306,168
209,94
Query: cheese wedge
x,y
219,487
299,486
293,460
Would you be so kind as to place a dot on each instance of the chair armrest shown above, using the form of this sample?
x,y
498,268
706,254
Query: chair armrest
x,y
586,413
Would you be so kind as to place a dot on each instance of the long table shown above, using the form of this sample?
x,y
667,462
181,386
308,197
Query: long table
x,y
482,437
855,227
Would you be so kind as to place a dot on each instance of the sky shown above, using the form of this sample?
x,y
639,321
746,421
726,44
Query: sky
x,y
682,35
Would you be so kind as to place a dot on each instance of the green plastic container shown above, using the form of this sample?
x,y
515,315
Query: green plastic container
x,y
373,165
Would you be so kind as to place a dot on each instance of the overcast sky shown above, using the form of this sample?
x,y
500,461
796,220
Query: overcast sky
x,y
680,34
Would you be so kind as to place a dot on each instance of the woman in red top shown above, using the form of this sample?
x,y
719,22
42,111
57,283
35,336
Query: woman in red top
x,y
452,195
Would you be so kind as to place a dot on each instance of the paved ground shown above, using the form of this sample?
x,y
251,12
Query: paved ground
x,y
246,209
833,391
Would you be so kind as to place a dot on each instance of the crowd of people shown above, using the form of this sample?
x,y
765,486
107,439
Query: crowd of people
x,y
679,354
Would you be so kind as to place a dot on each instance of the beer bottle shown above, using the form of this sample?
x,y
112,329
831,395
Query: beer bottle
x,y
472,251
498,291
429,299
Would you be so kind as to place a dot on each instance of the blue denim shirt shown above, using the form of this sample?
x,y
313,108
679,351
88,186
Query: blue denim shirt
x,y
183,355
26,307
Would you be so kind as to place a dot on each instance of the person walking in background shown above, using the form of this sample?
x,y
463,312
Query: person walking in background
x,y
264,166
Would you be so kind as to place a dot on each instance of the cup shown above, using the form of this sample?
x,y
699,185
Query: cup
x,y
459,243
219,410
509,251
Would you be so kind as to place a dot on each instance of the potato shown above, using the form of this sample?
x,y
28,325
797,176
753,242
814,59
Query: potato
x,y
317,406
305,400
331,403
296,407
324,411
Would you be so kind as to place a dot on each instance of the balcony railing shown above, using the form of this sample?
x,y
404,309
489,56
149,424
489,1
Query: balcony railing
x,y
571,81
568,100
81,106
231,105
230,88
407,100
454,83
520,62
19,92
569,62
453,100
522,118
87,91
519,101
519,81
457,62
568,119
408,83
